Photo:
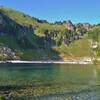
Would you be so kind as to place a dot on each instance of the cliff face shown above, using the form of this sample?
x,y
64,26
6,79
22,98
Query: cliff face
x,y
24,33
69,25
85,26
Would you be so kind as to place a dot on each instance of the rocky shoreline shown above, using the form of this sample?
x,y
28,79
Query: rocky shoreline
x,y
49,92
85,61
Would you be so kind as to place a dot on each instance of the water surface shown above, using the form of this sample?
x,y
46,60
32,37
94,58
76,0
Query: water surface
x,y
50,81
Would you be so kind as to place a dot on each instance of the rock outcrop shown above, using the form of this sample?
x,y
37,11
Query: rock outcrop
x,y
6,53
69,25
85,26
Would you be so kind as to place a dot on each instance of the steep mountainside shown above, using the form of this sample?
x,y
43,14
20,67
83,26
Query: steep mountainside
x,y
30,38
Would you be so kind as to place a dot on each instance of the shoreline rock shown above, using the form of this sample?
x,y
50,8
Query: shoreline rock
x,y
87,61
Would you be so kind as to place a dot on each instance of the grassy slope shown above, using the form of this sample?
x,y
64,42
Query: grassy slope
x,y
77,49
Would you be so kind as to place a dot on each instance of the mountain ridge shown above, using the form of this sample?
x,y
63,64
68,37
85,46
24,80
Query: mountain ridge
x,y
31,36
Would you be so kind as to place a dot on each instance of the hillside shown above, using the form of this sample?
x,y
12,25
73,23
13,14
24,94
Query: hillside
x,y
94,36
29,38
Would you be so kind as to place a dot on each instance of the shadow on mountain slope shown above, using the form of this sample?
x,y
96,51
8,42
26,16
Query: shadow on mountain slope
x,y
26,39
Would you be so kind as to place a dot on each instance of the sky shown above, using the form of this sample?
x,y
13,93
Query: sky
x,y
58,10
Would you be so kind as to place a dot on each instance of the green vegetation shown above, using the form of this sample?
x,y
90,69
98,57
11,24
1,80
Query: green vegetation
x,y
77,49
94,36
33,39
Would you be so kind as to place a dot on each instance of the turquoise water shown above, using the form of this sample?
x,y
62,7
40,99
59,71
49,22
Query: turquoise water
x,y
50,81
